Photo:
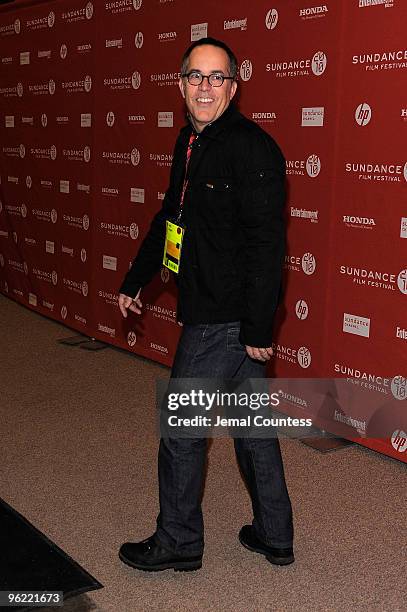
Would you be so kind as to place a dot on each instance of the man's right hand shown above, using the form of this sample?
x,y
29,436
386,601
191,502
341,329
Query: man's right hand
x,y
127,303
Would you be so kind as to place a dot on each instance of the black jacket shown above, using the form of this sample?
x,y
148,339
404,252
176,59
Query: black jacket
x,y
234,240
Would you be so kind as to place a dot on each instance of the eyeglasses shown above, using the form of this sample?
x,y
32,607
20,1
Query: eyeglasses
x,y
215,79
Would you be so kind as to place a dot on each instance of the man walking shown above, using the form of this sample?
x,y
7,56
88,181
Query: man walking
x,y
225,201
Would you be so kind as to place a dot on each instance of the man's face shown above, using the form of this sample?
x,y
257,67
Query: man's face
x,y
204,102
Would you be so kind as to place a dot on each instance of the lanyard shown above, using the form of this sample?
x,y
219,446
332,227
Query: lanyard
x,y
192,138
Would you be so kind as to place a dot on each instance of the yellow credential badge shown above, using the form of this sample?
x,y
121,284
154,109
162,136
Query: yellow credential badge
x,y
174,235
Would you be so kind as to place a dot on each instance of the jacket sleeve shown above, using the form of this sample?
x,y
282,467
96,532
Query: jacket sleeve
x,y
261,217
148,260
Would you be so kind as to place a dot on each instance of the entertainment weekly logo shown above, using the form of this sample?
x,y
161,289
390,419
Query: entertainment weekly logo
x,y
78,86
122,6
359,222
307,263
11,29
75,15
376,279
383,172
235,24
122,157
301,167
165,79
395,59
120,230
125,82
301,213
368,3
299,67
48,21
298,356
313,12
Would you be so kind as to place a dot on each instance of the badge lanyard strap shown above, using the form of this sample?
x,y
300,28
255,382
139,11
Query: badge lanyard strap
x,y
192,138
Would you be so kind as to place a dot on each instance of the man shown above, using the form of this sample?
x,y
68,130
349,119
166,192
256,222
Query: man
x,y
226,194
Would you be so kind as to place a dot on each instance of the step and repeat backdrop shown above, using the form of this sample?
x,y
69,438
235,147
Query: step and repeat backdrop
x,y
89,113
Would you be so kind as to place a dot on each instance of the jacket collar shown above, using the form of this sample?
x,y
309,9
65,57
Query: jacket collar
x,y
214,129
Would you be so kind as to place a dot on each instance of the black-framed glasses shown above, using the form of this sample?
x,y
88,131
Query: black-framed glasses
x,y
215,79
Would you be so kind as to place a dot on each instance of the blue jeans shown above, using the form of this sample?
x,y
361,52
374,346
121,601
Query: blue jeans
x,y
214,351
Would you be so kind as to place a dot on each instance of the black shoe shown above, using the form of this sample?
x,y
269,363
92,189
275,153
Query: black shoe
x,y
278,556
150,556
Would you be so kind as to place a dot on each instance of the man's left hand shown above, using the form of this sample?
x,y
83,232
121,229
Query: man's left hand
x,y
261,354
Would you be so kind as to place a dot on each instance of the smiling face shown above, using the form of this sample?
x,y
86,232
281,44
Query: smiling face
x,y
204,102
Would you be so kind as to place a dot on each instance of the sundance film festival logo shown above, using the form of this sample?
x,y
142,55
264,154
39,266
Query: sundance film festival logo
x,y
271,19
161,312
79,222
41,22
122,6
81,155
38,89
301,310
363,114
161,159
12,92
301,356
48,277
314,12
246,70
198,31
82,14
299,67
122,158
399,387
376,279
18,151
165,79
307,263
80,287
120,230
311,166
11,28
82,85
119,83
386,172
382,60
44,153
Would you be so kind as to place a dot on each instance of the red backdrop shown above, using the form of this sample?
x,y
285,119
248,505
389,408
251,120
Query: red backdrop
x,y
90,110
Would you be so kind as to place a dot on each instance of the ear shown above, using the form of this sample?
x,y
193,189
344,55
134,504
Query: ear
x,y
181,86
233,89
